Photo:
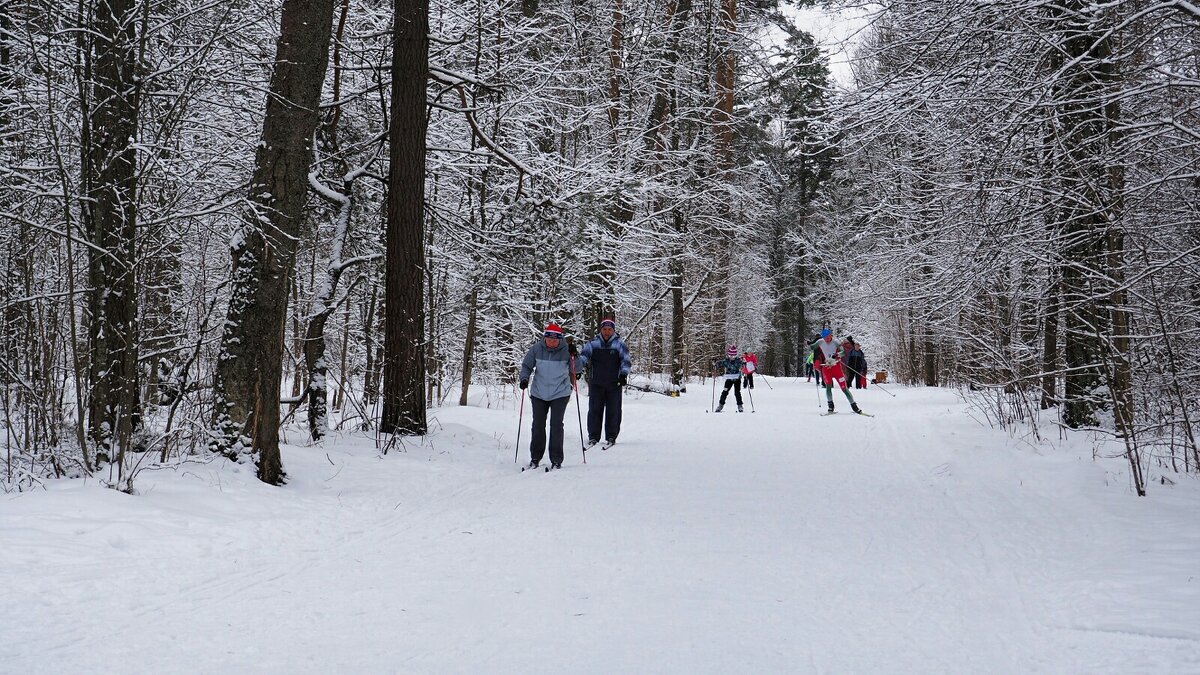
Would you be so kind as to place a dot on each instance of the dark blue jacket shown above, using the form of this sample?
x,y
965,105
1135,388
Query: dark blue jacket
x,y
731,367
607,358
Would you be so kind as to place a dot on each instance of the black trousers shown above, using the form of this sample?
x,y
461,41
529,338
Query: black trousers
x,y
537,444
604,410
737,390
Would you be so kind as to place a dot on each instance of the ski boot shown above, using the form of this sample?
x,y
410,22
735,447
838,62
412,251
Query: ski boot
x,y
740,409
831,407
855,408
556,465
533,464
719,407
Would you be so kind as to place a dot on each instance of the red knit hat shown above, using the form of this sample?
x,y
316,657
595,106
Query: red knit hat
x,y
732,351
553,331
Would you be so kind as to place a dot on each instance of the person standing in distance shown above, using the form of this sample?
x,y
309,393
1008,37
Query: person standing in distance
x,y
548,363
608,358
858,366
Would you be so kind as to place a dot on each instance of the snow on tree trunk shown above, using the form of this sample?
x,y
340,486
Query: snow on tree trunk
x,y
250,365
469,345
110,177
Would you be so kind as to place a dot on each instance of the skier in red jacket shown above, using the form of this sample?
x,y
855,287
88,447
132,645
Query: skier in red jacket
x,y
748,369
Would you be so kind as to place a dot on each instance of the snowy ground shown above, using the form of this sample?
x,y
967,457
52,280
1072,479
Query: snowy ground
x,y
779,541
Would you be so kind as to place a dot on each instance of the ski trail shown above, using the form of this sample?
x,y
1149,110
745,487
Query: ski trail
x,y
774,541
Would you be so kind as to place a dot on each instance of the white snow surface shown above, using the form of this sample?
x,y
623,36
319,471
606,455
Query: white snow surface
x,y
917,541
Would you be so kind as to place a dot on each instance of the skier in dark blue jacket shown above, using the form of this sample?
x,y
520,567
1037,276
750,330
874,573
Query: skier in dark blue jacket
x,y
607,357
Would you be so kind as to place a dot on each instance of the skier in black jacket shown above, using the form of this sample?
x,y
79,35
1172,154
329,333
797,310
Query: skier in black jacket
x,y
608,358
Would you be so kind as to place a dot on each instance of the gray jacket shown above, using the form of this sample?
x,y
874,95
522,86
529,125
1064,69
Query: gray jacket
x,y
552,378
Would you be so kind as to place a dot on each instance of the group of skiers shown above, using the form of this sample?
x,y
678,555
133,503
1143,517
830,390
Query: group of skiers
x,y
737,372
830,356
852,359
551,370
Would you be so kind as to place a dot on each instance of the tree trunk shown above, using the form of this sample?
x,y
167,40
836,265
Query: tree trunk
x,y
111,219
250,367
678,367
1086,208
616,62
371,375
318,374
404,311
726,80
930,361
1050,345
469,345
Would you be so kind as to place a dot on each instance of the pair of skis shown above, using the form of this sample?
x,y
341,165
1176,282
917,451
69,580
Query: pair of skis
x,y
834,412
550,467
546,469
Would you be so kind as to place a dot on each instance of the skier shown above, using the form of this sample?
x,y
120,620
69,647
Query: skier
x,y
831,367
748,370
608,358
731,368
549,363
808,363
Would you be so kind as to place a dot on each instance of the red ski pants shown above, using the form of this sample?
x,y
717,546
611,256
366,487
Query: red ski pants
x,y
833,373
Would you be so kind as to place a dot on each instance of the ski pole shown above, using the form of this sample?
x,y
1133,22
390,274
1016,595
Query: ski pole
x,y
764,379
713,405
520,416
858,374
750,393
579,415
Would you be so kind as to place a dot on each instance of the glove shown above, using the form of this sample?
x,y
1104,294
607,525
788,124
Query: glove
x,y
524,384
578,375
572,349
622,379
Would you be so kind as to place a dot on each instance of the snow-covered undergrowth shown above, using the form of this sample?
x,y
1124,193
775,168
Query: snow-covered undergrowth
x,y
917,541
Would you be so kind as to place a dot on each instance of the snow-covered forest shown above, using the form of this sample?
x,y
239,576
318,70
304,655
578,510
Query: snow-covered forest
x,y
225,219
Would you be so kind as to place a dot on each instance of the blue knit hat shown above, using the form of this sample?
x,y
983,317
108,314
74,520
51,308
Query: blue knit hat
x,y
825,332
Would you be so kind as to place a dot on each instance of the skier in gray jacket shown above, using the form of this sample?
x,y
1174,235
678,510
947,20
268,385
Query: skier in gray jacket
x,y
548,363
